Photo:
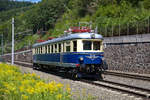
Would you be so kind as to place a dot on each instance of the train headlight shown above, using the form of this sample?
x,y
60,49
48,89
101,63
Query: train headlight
x,y
81,59
103,58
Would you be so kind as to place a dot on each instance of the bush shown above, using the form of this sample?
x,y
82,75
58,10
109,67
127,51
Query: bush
x,y
17,86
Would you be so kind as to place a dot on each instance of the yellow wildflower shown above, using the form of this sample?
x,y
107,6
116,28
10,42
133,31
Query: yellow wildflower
x,y
59,85
38,76
39,84
21,88
69,96
52,87
30,90
33,75
24,97
59,96
68,88
7,91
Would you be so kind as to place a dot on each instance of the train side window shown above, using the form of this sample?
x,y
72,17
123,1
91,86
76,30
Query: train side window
x,y
38,50
46,49
74,45
52,49
67,46
55,48
41,50
96,45
64,49
59,47
47,46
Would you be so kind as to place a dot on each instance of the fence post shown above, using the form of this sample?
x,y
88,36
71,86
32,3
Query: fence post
x,y
137,30
127,28
119,26
105,30
148,24
112,29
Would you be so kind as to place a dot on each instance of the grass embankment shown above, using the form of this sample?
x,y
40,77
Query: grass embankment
x,y
17,86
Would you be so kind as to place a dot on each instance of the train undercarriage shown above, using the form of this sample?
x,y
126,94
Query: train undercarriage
x,y
81,71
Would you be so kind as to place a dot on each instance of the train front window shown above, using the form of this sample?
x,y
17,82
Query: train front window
x,y
87,45
91,45
96,45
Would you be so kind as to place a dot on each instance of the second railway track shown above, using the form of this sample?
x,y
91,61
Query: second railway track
x,y
144,93
128,75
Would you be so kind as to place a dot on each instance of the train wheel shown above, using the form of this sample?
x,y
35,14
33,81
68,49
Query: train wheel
x,y
99,76
34,66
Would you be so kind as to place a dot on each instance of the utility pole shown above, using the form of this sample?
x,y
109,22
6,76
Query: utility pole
x,y
12,56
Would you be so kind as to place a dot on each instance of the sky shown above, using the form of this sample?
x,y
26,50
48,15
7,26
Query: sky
x,y
30,0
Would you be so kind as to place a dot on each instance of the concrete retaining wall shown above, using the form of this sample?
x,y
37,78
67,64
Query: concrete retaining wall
x,y
21,56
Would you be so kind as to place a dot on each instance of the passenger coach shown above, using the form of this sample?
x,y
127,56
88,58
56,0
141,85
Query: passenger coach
x,y
80,53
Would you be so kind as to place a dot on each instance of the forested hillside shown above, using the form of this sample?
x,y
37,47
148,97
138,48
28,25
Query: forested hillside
x,y
8,4
55,16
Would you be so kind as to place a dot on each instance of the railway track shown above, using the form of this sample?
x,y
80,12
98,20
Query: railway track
x,y
27,64
128,75
141,92
138,91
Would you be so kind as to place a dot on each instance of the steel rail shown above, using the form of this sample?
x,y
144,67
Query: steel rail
x,y
128,75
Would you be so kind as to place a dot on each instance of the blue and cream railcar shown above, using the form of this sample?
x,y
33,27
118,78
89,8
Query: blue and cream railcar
x,y
78,53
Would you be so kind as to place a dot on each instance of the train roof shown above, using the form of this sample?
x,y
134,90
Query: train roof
x,y
85,35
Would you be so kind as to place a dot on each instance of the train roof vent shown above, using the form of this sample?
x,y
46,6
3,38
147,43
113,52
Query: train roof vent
x,y
41,41
78,30
50,38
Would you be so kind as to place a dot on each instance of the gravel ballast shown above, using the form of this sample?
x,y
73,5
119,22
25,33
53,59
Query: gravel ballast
x,y
82,89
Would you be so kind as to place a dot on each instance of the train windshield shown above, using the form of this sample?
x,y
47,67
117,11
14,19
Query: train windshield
x,y
91,45
96,45
87,45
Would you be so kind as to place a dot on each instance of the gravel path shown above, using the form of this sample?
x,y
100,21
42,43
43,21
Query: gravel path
x,y
82,89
